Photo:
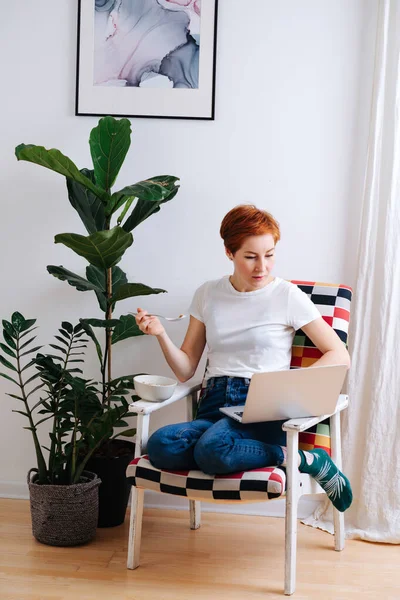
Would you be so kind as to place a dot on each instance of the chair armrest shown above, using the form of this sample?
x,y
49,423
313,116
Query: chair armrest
x,y
182,390
307,422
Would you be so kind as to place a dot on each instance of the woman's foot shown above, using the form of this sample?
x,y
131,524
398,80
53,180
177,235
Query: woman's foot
x,y
322,468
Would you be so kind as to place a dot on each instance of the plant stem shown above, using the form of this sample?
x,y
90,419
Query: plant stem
x,y
108,314
39,454
103,374
53,448
74,448
82,465
108,330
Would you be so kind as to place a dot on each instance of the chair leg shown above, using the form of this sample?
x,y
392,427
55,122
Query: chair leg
x,y
338,524
135,528
194,505
338,517
292,497
195,514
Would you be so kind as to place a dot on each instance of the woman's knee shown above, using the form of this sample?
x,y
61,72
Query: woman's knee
x,y
171,446
212,454
158,446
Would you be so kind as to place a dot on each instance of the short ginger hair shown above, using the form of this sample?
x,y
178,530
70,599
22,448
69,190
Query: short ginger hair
x,y
244,221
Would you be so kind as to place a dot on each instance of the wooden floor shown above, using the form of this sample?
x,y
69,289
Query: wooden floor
x,y
231,557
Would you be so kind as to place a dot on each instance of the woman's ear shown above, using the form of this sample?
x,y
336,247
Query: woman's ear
x,y
228,253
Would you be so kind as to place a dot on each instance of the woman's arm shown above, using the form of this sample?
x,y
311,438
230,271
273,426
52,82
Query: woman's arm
x,y
328,342
182,361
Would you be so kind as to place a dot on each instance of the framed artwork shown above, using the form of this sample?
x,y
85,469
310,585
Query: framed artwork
x,y
146,58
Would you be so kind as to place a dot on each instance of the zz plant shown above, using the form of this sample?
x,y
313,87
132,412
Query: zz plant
x,y
73,406
90,192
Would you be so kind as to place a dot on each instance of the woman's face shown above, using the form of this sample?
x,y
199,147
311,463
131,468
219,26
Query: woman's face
x,y
253,263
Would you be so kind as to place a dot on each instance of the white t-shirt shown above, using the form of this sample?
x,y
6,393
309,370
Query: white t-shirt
x,y
250,332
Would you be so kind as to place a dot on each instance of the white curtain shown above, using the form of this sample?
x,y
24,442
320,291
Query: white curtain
x,y
371,441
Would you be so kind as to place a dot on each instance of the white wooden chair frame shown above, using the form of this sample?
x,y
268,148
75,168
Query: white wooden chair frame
x,y
297,484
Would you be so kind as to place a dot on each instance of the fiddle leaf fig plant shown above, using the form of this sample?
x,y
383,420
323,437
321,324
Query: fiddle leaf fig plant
x,y
109,217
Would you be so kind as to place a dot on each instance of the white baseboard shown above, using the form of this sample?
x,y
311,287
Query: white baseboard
x,y
273,508
14,489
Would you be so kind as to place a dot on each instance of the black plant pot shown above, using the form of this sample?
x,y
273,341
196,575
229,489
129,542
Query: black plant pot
x,y
114,489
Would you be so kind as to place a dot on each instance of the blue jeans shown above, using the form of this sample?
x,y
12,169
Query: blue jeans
x,y
215,444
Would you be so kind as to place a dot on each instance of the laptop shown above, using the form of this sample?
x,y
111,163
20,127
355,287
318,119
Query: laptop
x,y
290,394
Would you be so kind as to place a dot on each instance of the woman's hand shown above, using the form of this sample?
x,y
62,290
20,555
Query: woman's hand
x,y
183,361
148,324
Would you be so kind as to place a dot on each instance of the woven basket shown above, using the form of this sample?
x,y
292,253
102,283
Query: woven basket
x,y
64,515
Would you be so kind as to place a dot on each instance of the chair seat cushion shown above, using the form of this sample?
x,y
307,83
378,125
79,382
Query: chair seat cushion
x,y
256,485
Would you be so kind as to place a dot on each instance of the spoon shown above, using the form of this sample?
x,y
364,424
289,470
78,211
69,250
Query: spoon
x,y
162,316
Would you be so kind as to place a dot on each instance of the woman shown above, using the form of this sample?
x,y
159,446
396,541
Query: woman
x,y
248,322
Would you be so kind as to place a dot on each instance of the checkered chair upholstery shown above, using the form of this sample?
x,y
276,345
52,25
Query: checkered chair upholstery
x,y
247,486
333,302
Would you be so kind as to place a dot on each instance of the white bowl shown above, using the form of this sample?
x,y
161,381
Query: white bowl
x,y
154,388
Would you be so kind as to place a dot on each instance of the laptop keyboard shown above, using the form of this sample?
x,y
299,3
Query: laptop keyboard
x,y
238,413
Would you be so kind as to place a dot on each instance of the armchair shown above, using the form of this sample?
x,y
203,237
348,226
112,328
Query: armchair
x,y
333,301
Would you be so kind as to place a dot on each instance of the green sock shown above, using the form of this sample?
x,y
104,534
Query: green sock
x,y
322,468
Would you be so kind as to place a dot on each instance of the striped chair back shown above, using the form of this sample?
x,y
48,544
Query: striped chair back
x,y
333,302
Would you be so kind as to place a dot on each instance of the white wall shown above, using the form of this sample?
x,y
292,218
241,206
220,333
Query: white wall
x,y
292,103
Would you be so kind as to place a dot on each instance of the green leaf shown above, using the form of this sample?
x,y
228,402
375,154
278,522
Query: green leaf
x,y
109,143
58,348
127,328
21,413
31,350
124,381
16,397
8,350
121,422
128,432
9,378
68,327
127,206
9,329
102,249
18,321
27,324
35,376
32,391
153,191
27,343
129,290
7,364
62,340
29,364
29,331
142,210
88,206
39,423
78,282
56,161
20,324
101,322
92,336
8,339
98,277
